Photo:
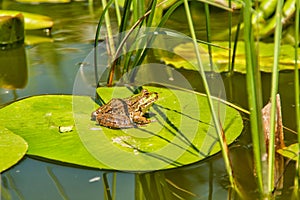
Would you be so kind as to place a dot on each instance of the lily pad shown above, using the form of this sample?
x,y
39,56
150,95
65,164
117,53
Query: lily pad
x,y
187,57
34,39
38,120
290,152
181,131
43,1
12,148
32,21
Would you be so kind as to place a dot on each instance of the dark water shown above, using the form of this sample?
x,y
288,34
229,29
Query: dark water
x,y
51,69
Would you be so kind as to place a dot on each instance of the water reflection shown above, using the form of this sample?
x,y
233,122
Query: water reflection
x,y
13,72
13,68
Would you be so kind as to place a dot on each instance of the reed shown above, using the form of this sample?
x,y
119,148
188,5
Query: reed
x,y
297,95
274,90
254,99
208,34
217,125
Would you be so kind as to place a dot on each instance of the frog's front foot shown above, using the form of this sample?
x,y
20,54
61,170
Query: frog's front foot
x,y
94,116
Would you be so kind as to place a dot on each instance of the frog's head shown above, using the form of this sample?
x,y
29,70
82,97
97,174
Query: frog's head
x,y
146,100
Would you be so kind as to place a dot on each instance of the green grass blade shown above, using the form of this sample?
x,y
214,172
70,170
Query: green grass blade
x,y
297,95
274,89
114,186
152,14
236,38
106,188
230,39
109,30
143,52
101,21
97,38
125,16
208,34
214,115
139,54
254,99
58,185
138,9
118,14
161,23
169,12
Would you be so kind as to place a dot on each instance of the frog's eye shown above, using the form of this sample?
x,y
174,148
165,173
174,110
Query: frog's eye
x,y
144,91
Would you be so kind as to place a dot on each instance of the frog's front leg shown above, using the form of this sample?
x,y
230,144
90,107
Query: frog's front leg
x,y
114,121
141,120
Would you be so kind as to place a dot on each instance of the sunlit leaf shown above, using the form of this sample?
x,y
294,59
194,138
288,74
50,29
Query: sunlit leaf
x,y
37,120
220,57
34,39
32,21
12,148
290,152
43,1
181,131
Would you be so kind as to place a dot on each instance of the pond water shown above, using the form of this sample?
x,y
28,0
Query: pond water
x,y
52,68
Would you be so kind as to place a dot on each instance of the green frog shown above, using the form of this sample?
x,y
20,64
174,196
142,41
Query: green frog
x,y
126,113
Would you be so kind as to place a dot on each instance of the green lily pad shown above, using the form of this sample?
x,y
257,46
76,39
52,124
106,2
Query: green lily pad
x,y
181,131
43,1
34,39
290,152
220,57
32,21
12,148
38,120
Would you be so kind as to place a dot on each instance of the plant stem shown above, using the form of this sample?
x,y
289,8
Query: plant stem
x,y
97,37
230,69
211,106
114,187
255,100
274,89
109,30
106,188
118,14
208,34
297,95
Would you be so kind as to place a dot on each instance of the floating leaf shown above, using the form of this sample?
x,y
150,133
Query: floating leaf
x,y
34,39
32,21
290,152
12,148
181,131
220,57
43,1
37,119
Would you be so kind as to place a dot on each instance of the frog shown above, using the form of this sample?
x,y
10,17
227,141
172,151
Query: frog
x,y
128,112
